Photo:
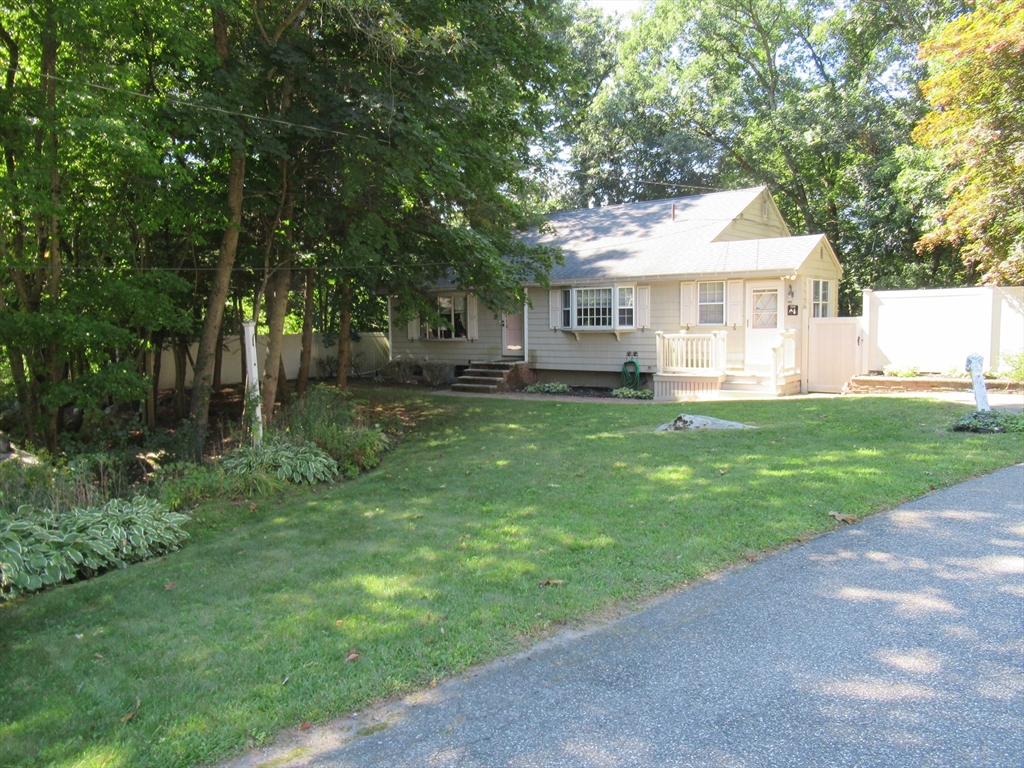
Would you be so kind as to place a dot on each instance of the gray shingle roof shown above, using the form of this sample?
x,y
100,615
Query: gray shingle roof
x,y
637,240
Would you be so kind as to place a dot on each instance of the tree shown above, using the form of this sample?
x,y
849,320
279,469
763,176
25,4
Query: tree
x,y
84,193
976,127
810,99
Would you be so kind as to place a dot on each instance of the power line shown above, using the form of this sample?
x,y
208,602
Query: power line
x,y
196,105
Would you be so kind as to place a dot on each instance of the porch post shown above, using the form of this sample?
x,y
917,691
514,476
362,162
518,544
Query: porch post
x,y
658,342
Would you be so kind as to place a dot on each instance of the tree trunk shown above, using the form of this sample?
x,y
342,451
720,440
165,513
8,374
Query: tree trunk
x,y
277,307
344,333
218,359
307,338
203,379
284,397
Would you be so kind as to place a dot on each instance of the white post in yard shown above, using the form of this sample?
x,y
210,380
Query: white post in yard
x,y
252,388
974,363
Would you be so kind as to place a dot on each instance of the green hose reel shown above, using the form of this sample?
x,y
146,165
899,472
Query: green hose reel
x,y
631,374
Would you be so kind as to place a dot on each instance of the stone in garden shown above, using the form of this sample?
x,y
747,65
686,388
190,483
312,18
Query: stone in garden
x,y
685,421
974,363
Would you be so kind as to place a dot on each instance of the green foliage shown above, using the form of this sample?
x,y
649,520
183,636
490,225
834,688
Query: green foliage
x,y
56,486
397,371
903,372
628,393
330,419
976,127
294,462
1013,366
731,93
549,388
39,549
437,374
362,449
989,421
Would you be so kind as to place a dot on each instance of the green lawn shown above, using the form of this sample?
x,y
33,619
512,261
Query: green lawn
x,y
434,562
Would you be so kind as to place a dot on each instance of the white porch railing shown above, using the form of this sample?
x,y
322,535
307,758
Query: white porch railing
x,y
691,352
783,358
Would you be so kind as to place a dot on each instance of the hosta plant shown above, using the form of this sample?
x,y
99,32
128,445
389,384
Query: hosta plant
x,y
39,548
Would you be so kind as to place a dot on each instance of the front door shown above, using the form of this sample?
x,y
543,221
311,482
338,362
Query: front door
x,y
763,320
512,336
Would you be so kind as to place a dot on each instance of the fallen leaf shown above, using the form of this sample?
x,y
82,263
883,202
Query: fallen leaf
x,y
433,683
130,715
339,622
751,558
79,637
352,656
552,582
98,655
442,630
170,585
839,516
252,506
304,726
285,681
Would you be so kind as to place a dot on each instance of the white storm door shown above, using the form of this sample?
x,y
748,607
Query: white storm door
x,y
512,336
762,324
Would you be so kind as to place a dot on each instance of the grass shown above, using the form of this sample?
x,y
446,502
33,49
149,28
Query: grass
x,y
435,561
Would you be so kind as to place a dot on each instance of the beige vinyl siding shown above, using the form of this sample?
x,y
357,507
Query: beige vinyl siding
x,y
751,224
554,349
455,351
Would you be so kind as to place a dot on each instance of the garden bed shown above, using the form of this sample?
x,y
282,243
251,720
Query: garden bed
x,y
925,383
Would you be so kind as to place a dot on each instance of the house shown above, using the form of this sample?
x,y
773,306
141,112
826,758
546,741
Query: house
x,y
707,294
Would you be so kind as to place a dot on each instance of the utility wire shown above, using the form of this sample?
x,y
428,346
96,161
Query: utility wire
x,y
196,105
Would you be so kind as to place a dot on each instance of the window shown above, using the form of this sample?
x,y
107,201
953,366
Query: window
x,y
820,300
711,303
567,308
626,307
452,325
593,307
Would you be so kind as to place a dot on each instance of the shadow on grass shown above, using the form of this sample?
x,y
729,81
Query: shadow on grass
x,y
436,561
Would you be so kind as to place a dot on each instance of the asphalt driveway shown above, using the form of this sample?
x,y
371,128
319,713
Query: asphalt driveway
x,y
898,641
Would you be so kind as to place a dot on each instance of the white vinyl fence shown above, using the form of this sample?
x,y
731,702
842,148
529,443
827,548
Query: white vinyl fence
x,y
935,330
369,354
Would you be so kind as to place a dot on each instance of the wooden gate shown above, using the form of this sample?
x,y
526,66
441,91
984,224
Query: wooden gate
x,y
835,351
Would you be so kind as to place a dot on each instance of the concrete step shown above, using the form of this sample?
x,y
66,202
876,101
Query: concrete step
x,y
747,383
493,373
482,388
488,380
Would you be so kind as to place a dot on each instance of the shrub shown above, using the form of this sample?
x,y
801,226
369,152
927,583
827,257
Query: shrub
x,y
39,548
552,388
45,485
989,421
1013,365
629,393
903,372
397,371
363,450
437,374
183,485
293,462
